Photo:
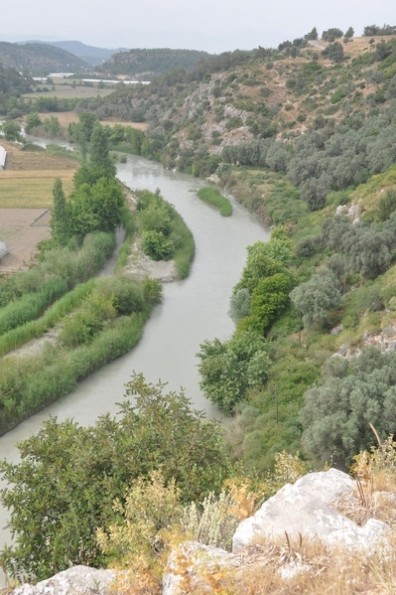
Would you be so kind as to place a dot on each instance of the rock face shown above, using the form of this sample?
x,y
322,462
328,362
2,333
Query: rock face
x,y
78,580
309,508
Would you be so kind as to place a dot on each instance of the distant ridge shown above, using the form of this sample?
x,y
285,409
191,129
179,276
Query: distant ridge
x,y
39,59
89,53
157,60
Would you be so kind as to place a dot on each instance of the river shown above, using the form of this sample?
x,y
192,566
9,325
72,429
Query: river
x,y
193,310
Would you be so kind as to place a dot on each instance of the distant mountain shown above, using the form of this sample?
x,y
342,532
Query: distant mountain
x,y
39,59
149,61
88,53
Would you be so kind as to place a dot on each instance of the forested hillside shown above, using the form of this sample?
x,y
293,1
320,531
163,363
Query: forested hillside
x,y
305,137
12,85
329,91
38,59
152,61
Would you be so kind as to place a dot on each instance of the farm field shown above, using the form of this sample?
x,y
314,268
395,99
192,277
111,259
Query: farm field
x,y
25,196
67,91
66,118
31,189
28,178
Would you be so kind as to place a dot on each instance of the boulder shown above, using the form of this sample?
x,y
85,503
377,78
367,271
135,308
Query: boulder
x,y
308,509
78,580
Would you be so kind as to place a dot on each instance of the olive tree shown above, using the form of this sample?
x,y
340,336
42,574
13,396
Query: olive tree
x,y
316,297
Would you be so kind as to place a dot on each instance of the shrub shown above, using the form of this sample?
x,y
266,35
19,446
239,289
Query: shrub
x,y
269,299
229,369
63,489
213,197
352,395
156,245
315,298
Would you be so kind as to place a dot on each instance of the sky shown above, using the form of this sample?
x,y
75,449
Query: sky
x,y
211,25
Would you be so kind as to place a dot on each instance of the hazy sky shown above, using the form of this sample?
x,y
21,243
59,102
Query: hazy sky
x,y
213,25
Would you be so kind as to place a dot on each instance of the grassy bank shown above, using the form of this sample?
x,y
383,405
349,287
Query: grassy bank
x,y
164,235
105,319
213,197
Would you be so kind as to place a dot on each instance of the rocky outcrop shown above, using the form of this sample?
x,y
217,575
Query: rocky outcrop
x,y
78,580
310,509
325,510
318,509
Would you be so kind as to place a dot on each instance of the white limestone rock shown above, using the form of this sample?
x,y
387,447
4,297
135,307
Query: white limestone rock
x,y
308,508
78,580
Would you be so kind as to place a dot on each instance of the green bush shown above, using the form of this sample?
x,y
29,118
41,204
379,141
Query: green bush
x,y
352,395
213,197
156,245
164,233
229,369
63,489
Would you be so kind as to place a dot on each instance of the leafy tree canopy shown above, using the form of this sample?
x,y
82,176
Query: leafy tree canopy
x,y
352,395
229,369
63,488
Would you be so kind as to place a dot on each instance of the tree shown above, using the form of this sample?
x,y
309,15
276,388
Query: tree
x,y
60,222
11,130
229,369
260,263
83,130
334,51
32,121
316,297
96,207
349,33
332,34
312,35
63,488
269,299
52,125
99,159
240,304
353,394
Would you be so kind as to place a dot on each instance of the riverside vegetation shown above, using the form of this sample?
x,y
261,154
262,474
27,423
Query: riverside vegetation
x,y
305,140
78,323
213,197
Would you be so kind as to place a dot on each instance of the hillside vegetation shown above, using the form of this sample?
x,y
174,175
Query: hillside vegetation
x,y
305,137
151,61
38,59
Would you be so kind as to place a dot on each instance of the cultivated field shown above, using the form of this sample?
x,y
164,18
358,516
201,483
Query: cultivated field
x,y
66,118
28,178
25,197
67,91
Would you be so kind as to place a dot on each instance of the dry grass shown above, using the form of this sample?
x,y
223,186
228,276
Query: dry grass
x,y
66,118
28,179
31,189
33,161
309,568
66,91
